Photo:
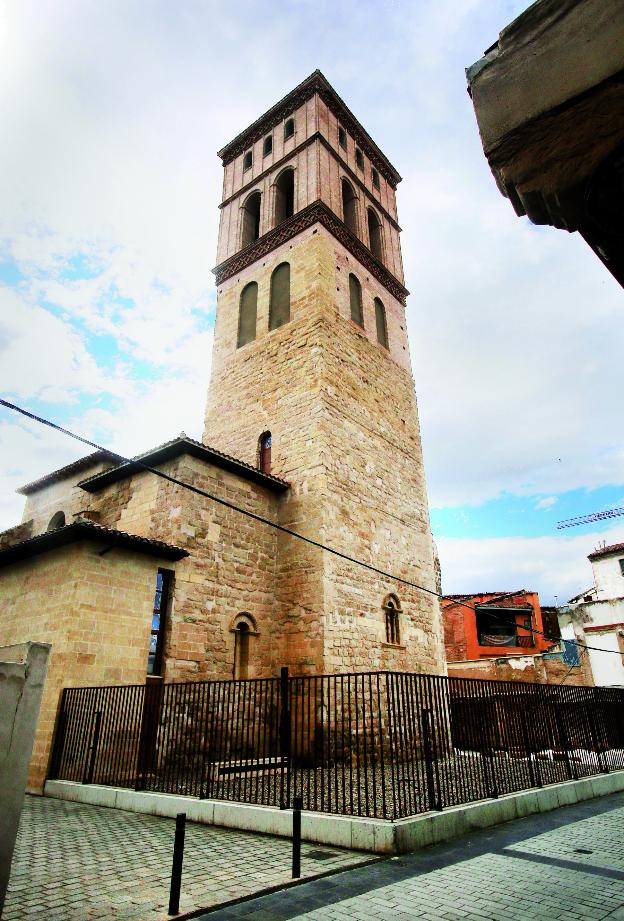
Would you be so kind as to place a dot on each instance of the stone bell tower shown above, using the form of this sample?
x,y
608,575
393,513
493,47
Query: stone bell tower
x,y
311,373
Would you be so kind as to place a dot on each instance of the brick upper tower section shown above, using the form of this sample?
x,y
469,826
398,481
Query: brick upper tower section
x,y
312,133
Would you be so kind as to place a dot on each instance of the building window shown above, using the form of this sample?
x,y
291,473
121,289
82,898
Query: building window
x,y
375,176
247,160
247,314
284,196
622,566
374,234
359,158
380,320
164,579
355,300
251,218
497,627
342,137
56,521
243,629
349,214
289,128
267,147
264,452
392,608
279,305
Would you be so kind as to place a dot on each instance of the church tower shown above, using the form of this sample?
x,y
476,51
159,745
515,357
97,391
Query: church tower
x,y
311,376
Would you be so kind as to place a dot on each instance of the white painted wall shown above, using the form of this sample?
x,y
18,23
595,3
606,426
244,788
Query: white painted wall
x,y
608,576
608,668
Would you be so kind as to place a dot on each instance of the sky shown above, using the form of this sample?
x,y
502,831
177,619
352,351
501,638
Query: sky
x,y
111,117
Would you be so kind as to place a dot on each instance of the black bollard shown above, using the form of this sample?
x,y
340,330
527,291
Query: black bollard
x,y
176,868
296,837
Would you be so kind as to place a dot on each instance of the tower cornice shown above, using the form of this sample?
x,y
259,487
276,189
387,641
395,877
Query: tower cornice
x,y
315,84
315,213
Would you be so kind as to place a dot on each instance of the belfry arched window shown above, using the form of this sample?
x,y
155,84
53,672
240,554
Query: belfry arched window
x,y
374,234
264,452
279,305
349,213
251,218
247,314
380,320
355,300
284,196
392,610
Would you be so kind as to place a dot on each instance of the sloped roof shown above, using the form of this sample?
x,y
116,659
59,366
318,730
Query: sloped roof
x,y
82,529
83,463
175,448
605,551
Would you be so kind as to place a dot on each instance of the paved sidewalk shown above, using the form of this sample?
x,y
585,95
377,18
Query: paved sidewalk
x,y
567,864
86,863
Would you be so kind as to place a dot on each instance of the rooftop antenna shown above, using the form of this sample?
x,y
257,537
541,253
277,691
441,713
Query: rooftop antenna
x,y
587,519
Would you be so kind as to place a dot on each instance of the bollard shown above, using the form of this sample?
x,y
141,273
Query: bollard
x,y
296,837
176,868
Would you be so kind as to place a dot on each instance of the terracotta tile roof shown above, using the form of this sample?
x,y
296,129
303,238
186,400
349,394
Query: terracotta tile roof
x,y
81,529
174,448
522,591
75,467
605,551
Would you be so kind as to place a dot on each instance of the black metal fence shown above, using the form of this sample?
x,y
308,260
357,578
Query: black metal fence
x,y
379,744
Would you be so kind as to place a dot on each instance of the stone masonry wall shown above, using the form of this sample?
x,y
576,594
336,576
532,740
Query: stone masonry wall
x,y
95,612
342,413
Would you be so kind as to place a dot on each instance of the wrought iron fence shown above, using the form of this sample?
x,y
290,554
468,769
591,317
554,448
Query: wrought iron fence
x,y
379,744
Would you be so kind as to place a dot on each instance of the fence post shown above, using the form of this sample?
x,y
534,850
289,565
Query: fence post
x,y
88,774
296,837
594,732
59,741
534,771
176,867
563,737
428,752
284,739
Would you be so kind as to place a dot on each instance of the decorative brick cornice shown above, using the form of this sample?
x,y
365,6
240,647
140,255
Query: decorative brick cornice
x,y
316,83
316,213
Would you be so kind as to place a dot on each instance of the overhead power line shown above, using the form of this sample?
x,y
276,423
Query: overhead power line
x,y
138,464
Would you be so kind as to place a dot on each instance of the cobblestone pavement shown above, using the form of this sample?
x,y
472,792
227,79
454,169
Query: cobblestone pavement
x,y
85,863
567,864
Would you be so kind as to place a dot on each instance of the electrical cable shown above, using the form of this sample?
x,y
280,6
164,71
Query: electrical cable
x,y
136,463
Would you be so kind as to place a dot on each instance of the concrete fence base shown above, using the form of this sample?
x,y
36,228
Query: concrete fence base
x,y
376,836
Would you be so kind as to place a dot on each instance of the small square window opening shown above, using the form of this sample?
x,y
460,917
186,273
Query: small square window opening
x,y
247,160
342,137
622,566
375,178
289,128
359,158
267,147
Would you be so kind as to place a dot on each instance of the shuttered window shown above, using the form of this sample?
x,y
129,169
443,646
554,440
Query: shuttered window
x,y
279,307
247,314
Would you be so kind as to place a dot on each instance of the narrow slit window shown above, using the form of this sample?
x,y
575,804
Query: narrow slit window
x,y
264,452
164,579
391,610
279,305
380,320
247,314
355,299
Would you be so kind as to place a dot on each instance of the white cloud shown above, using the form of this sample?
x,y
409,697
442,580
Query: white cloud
x,y
549,565
546,502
